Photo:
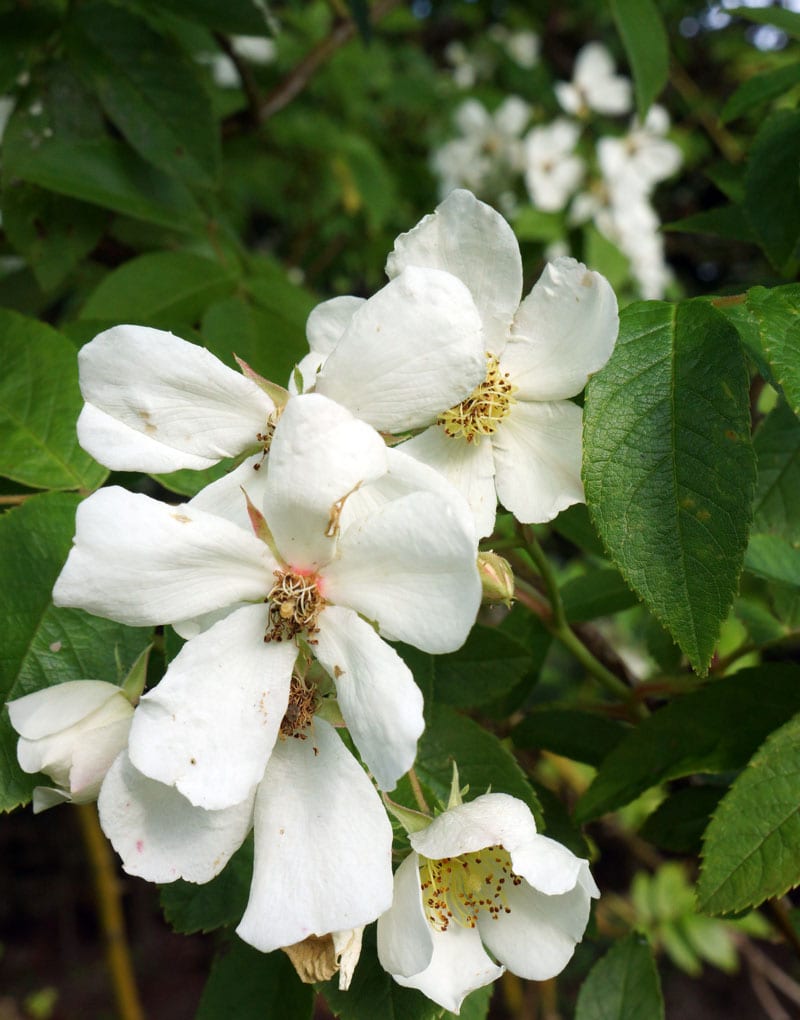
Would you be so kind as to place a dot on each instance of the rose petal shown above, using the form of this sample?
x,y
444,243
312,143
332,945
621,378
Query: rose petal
x,y
405,938
491,819
210,724
381,704
322,845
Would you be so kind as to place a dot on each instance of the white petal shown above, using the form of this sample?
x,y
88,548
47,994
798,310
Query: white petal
x,y
323,845
142,562
486,821
537,939
320,453
55,708
209,726
537,459
159,835
226,497
167,392
347,951
94,755
45,797
405,938
459,965
411,567
472,241
547,865
328,321
379,700
469,467
564,331
410,352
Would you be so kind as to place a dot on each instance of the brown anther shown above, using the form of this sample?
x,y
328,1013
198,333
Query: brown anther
x,y
299,710
295,603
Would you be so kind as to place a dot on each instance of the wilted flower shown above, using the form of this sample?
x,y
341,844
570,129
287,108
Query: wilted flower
x,y
480,877
72,732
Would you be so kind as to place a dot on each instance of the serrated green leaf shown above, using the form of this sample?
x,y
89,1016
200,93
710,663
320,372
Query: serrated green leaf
x,y
248,985
624,985
581,736
772,188
760,89
678,823
645,39
777,500
190,908
777,312
150,89
373,993
483,762
751,850
668,463
39,406
44,645
711,730
774,558
160,286
52,232
788,21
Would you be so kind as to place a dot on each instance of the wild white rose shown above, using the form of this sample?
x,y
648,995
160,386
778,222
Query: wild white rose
x,y
481,878
595,84
72,732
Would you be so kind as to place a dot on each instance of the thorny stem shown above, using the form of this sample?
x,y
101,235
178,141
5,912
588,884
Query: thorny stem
x,y
419,796
291,86
111,918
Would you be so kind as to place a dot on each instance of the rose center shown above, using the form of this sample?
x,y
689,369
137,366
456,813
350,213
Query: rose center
x,y
295,603
484,409
458,888
299,710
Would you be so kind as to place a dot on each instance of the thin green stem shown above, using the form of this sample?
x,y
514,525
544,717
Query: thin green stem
x,y
419,796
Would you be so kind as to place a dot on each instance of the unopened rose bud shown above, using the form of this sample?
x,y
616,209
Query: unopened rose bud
x,y
497,578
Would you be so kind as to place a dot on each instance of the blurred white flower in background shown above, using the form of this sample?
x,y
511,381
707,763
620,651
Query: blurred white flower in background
x,y
595,85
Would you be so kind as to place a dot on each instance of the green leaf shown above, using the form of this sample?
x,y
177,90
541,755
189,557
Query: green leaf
x,y
773,558
678,823
772,188
39,405
788,21
727,221
532,224
714,729
598,593
642,30
190,908
43,645
375,994
668,465
149,87
751,850
244,17
248,985
777,312
483,762
52,232
777,501
761,88
624,985
581,736
160,286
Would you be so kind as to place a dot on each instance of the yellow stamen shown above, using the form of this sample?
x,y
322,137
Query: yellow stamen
x,y
458,888
484,409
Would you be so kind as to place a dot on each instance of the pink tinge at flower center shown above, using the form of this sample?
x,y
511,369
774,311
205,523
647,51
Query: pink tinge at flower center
x,y
484,409
458,888
295,603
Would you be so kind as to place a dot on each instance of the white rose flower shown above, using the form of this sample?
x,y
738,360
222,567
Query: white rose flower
x,y
516,436
481,877
552,170
595,85
72,732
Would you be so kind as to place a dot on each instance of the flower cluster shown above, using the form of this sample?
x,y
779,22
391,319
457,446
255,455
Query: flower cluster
x,y
571,164
350,521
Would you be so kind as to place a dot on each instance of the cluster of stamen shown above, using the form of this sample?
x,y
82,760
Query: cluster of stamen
x,y
484,409
300,709
295,603
264,439
458,888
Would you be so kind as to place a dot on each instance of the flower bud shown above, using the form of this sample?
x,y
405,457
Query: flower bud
x,y
497,578
72,732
